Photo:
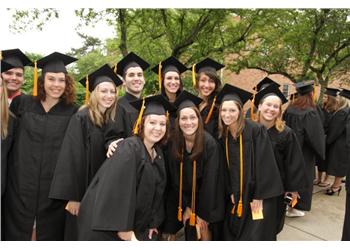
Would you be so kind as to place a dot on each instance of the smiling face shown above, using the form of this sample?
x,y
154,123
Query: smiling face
x,y
54,84
206,85
270,108
134,80
154,128
106,95
188,121
229,112
14,79
171,82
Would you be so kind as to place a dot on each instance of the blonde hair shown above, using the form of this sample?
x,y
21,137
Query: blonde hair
x,y
5,112
331,104
279,123
342,103
222,127
96,117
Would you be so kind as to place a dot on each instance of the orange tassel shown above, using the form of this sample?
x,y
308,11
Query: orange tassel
x,y
239,209
194,75
252,115
115,69
210,111
86,90
35,82
314,93
179,214
193,219
160,75
139,118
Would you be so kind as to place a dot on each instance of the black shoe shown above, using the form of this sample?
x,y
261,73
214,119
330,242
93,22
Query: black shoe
x,y
333,190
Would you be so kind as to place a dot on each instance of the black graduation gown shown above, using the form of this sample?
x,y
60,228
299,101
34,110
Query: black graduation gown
x,y
337,156
37,143
289,159
82,153
346,227
125,118
125,194
209,203
212,126
309,130
261,181
325,117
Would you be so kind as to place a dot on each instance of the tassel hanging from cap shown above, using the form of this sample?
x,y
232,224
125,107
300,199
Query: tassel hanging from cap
x,y
240,203
240,209
115,69
160,75
194,75
314,92
87,90
193,200
138,121
252,115
179,211
35,80
207,119
192,219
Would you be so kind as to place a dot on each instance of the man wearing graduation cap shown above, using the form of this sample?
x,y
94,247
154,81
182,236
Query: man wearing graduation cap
x,y
82,151
29,213
125,198
131,68
14,77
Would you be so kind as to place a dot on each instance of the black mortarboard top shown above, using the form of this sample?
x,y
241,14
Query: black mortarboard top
x,y
16,58
265,82
131,60
208,65
269,91
103,74
345,93
170,64
5,66
55,63
331,91
304,88
232,93
186,100
156,105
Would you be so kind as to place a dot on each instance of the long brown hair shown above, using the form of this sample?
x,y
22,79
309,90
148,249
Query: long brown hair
x,y
69,92
241,122
304,101
178,140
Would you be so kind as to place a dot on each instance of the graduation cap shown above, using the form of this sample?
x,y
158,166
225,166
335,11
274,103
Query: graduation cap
x,y
207,65
156,105
345,93
16,58
55,63
331,91
130,60
186,100
264,83
169,64
5,66
304,88
232,93
270,90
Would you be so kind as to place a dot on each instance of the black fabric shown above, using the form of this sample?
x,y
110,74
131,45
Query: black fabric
x,y
33,159
261,181
125,194
308,128
346,226
212,126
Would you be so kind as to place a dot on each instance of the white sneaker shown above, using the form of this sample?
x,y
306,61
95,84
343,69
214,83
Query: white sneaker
x,y
293,212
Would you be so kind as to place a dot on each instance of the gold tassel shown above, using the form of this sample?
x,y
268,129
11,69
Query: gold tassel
x,y
193,200
115,69
252,115
314,93
226,146
138,121
210,111
194,75
192,219
179,214
160,75
240,203
179,211
35,81
86,90
240,209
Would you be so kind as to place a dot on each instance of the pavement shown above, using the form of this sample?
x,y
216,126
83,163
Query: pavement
x,y
323,223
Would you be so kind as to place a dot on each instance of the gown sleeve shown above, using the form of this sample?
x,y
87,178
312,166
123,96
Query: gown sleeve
x,y
114,129
336,126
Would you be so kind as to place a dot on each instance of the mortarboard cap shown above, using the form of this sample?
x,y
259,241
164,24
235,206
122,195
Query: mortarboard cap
x,y
170,64
5,66
304,88
55,63
264,83
186,100
103,74
16,58
331,91
345,93
232,93
131,60
270,90
208,64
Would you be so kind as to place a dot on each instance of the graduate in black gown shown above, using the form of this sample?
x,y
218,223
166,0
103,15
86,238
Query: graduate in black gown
x,y
131,68
208,83
346,227
337,156
83,151
302,117
265,82
325,111
170,84
195,174
286,148
42,122
252,177
125,198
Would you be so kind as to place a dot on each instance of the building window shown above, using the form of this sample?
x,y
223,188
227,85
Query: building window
x,y
285,90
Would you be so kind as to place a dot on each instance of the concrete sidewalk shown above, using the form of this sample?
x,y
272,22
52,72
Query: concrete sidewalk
x,y
324,222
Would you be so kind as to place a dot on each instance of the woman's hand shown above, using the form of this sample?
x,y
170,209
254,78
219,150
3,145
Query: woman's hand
x,y
73,207
151,232
232,199
186,215
257,205
129,236
203,225
112,147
